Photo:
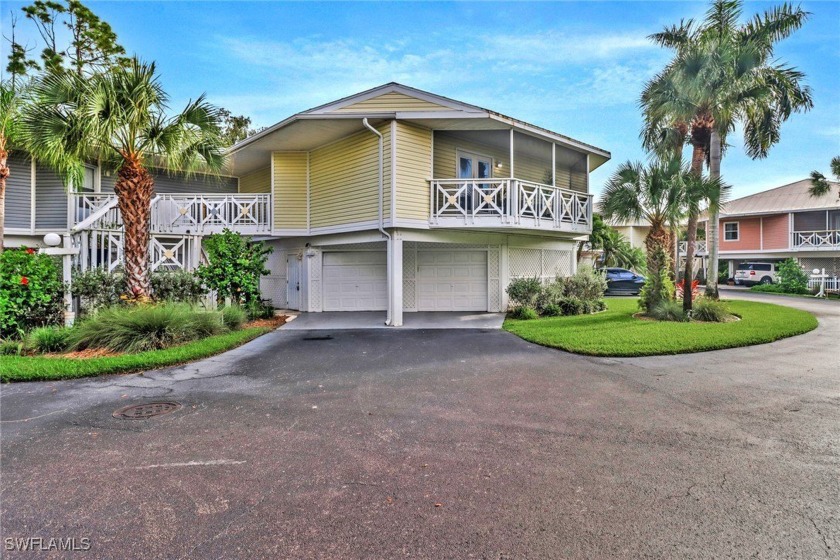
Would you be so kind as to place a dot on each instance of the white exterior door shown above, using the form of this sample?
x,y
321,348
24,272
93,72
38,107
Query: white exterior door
x,y
355,281
452,281
293,282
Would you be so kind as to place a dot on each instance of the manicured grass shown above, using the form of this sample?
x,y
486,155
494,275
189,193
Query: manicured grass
x,y
34,368
615,332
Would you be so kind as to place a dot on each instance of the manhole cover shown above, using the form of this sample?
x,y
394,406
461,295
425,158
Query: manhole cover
x,y
147,410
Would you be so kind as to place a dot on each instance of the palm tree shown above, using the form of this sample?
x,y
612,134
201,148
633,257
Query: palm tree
x,y
725,73
118,117
635,193
819,184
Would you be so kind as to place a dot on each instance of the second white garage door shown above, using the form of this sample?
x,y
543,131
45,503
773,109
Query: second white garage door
x,y
355,281
452,281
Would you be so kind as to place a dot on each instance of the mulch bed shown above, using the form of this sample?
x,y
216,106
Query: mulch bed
x,y
274,323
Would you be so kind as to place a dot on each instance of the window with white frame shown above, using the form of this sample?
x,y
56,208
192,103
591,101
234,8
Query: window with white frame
x,y
730,231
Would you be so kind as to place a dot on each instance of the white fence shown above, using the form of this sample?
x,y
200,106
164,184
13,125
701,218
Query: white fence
x,y
826,239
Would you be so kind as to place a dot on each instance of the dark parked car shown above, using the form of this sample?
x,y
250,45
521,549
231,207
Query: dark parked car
x,y
621,281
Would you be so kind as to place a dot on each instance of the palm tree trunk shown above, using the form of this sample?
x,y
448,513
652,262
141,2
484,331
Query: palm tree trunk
x,y
656,238
698,158
134,188
674,252
4,174
713,237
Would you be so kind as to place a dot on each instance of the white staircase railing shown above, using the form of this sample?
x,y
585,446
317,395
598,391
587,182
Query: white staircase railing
x,y
700,247
188,214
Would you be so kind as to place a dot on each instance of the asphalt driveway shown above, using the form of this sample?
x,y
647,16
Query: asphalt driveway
x,y
438,444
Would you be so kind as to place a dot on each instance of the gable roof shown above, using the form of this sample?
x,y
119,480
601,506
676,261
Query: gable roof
x,y
398,101
787,198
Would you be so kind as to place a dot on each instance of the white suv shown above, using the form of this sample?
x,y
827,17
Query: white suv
x,y
751,273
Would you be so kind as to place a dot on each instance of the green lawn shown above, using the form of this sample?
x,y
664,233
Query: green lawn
x,y
615,332
34,368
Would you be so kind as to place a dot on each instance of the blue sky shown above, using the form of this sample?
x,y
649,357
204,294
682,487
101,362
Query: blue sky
x,y
574,67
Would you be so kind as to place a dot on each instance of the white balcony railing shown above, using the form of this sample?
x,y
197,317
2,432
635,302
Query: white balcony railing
x,y
186,214
509,202
700,247
826,239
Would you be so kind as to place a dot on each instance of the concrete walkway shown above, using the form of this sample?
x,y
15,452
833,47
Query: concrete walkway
x,y
343,320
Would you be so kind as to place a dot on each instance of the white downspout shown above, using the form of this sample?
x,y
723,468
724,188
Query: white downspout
x,y
381,217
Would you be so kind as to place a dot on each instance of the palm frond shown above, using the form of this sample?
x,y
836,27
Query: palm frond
x,y
819,184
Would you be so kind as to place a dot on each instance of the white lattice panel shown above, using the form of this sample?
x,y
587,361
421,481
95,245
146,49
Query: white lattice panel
x,y
494,287
315,264
409,276
831,265
545,264
525,263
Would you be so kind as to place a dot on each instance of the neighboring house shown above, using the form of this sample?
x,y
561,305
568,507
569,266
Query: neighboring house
x,y
781,223
634,232
393,200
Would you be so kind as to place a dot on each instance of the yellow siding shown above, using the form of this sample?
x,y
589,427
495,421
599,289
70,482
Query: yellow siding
x,y
258,181
578,181
391,102
414,150
289,190
344,187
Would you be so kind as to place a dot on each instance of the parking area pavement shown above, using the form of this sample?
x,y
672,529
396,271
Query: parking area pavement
x,y
439,443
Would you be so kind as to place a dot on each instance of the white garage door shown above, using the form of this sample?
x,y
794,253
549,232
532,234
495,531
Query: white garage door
x,y
355,281
452,281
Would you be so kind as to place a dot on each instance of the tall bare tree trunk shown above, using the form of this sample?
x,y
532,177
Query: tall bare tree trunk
x,y
713,237
698,158
4,174
134,188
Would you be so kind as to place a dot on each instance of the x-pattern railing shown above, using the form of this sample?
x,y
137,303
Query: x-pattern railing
x,y
181,213
509,201
824,238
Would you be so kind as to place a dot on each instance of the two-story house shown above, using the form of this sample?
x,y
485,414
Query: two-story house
x,y
785,222
393,200
400,200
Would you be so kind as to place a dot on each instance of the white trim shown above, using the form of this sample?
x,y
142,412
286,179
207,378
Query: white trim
x,y
459,152
308,192
394,179
587,173
355,226
451,114
32,209
391,88
737,231
512,172
760,233
273,194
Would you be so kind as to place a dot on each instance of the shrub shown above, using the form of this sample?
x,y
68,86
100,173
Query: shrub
x,y
723,276
145,327
710,310
177,286
658,286
792,278
586,284
772,288
11,347
259,309
523,292
233,317
49,339
235,266
525,313
668,310
97,288
31,291
552,310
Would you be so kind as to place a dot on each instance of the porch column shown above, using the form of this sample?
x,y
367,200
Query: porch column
x,y
395,279
512,172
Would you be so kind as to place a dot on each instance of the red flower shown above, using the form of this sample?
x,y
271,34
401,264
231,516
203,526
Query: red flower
x,y
31,251
24,280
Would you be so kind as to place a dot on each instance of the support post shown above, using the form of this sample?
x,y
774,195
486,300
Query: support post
x,y
395,276
512,172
